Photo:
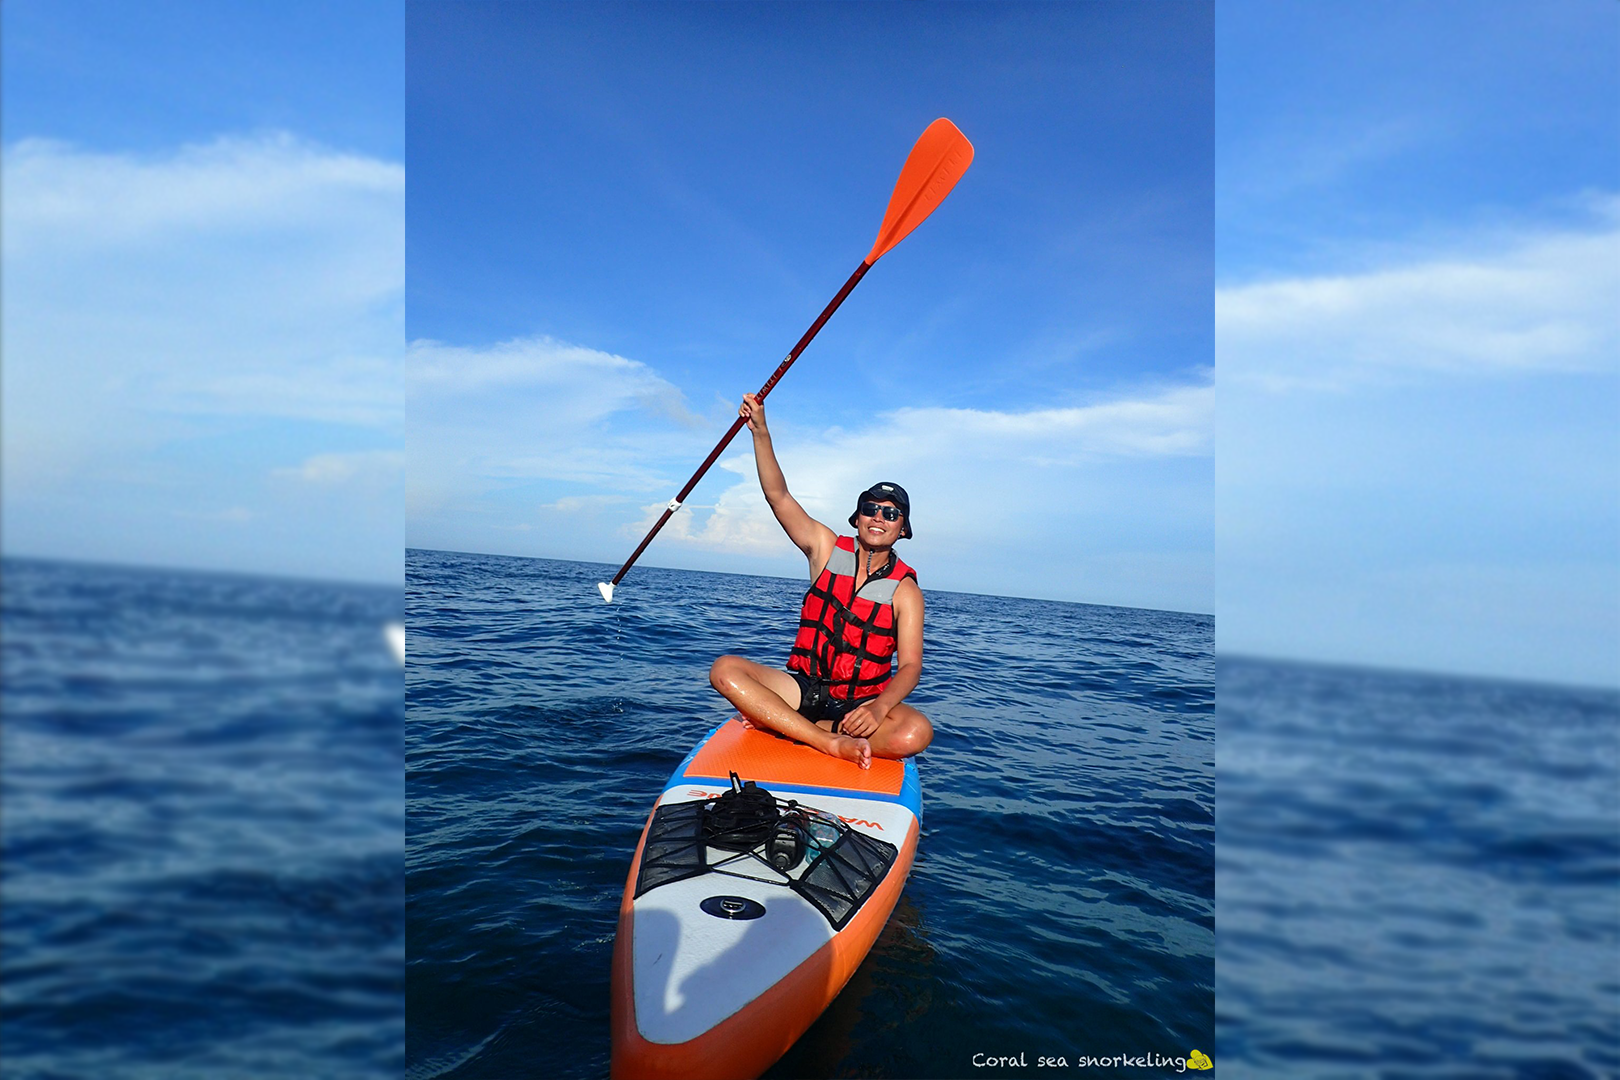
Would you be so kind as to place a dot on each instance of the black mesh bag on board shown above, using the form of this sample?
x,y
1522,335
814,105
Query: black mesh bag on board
x,y
844,875
674,849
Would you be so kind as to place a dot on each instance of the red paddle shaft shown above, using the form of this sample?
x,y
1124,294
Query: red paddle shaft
x,y
937,161
737,425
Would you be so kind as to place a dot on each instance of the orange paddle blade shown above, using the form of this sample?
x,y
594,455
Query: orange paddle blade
x,y
932,168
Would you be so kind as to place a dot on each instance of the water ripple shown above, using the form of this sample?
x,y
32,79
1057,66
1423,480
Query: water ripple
x,y
1062,900
1417,875
202,812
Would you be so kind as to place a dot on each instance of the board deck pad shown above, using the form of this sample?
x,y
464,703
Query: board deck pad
x,y
700,994
767,758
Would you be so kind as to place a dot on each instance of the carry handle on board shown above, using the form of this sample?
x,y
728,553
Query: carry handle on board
x,y
937,161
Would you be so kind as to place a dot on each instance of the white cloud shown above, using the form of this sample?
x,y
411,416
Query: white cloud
x,y
963,469
1286,163
252,277
366,467
574,503
179,326
530,409
1545,302
738,521
60,195
1418,461
1175,421
231,515
574,385
1105,500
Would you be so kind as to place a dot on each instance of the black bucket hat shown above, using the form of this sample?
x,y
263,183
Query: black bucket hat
x,y
888,493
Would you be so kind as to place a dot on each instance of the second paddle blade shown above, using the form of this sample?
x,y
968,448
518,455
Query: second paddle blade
x,y
932,169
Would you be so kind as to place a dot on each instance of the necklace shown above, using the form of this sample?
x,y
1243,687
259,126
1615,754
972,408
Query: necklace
x,y
869,554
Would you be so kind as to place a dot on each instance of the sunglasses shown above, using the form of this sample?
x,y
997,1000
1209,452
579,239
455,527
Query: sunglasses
x,y
889,513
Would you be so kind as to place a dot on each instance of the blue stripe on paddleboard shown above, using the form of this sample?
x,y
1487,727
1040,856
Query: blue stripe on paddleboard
x,y
910,790
687,760
910,783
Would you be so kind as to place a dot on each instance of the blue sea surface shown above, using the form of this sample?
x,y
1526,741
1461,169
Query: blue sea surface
x,y
1062,902
201,824
1418,876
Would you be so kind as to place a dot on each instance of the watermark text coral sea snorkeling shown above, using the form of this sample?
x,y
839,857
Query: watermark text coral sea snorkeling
x,y
1195,1060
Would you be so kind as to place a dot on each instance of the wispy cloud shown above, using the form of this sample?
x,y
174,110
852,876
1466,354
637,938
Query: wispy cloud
x,y
364,467
531,409
738,521
1299,159
580,450
969,471
230,515
573,503
258,276
59,194
574,385
1544,302
1173,421
218,324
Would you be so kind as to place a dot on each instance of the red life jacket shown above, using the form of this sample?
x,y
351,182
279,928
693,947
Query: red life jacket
x,y
848,640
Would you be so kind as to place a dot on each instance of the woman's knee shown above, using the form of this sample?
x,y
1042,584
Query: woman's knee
x,y
922,733
911,736
724,671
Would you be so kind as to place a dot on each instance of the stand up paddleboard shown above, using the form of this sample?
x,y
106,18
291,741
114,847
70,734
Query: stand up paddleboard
x,y
722,960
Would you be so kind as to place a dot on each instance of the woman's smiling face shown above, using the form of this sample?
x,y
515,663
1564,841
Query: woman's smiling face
x,y
875,530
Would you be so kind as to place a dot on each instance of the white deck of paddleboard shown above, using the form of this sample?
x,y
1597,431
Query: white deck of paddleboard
x,y
692,969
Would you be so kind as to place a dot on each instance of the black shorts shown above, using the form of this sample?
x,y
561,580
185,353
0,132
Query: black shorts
x,y
816,702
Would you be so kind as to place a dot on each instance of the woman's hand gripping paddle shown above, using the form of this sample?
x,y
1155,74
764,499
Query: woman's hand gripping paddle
x,y
932,169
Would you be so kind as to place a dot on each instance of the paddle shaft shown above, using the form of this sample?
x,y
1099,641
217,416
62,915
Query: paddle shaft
x,y
737,425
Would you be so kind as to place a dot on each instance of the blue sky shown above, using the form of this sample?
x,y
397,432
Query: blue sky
x,y
1418,252
619,223
621,218
203,230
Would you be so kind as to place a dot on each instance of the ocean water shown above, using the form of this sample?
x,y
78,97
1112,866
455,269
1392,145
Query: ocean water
x,y
201,823
1417,876
1062,902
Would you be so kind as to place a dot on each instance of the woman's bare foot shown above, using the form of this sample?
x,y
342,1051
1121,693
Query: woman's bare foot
x,y
851,749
